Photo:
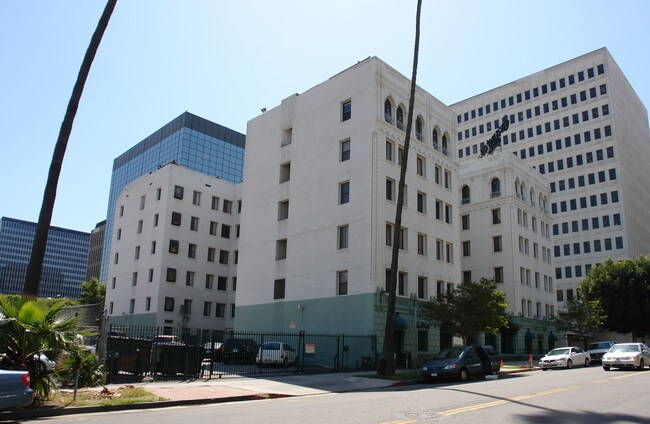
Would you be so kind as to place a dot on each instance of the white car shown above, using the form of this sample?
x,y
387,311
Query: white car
x,y
42,363
627,355
276,353
564,357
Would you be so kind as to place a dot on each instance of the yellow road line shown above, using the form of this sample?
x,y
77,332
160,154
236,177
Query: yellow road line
x,y
501,402
399,422
620,377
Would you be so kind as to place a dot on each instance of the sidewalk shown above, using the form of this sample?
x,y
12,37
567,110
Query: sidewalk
x,y
218,390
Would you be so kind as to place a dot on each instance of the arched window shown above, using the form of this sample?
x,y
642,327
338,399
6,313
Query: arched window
x,y
517,187
541,202
522,189
532,197
495,188
435,140
400,118
444,144
388,111
419,124
465,195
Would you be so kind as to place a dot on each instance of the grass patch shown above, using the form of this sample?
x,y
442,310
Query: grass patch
x,y
120,396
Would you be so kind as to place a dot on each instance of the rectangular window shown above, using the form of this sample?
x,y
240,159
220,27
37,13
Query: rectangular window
x,y
171,275
342,283
467,248
422,287
214,205
196,198
449,252
176,218
222,283
344,193
389,234
209,281
173,246
343,237
169,304
283,210
402,283
498,275
464,222
213,228
207,309
140,223
346,110
285,172
178,192
194,223
211,254
422,244
278,289
225,231
390,150
345,150
220,310
280,249
497,244
421,166
189,278
439,250
496,216
390,189
223,257
150,277
191,251
422,202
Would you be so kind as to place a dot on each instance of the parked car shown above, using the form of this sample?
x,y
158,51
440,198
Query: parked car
x,y
213,351
597,349
42,363
564,357
14,389
276,353
627,355
463,362
240,351
166,339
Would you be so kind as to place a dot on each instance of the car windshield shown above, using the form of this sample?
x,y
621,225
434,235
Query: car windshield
x,y
564,351
599,346
449,353
271,346
625,348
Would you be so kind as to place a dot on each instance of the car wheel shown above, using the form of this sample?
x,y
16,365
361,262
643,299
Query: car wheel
x,y
586,362
606,367
641,364
463,375
544,369
569,364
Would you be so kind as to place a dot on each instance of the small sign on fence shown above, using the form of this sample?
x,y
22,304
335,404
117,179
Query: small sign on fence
x,y
292,325
310,348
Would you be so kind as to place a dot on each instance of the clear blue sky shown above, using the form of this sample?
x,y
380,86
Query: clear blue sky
x,y
224,60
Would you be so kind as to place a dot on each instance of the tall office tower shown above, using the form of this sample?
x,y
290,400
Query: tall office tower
x,y
95,253
64,265
506,236
319,195
581,124
174,255
191,141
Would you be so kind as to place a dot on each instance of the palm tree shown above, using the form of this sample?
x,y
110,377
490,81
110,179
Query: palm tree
x,y
28,330
33,276
387,361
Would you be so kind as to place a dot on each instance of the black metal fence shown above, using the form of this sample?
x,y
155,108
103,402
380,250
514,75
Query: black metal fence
x,y
139,353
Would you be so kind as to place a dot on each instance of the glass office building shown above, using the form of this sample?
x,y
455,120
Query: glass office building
x,y
189,140
64,266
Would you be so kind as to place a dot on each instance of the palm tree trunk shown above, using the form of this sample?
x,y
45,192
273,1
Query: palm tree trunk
x,y
387,361
33,277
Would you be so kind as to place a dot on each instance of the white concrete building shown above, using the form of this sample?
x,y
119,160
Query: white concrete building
x,y
506,235
320,185
581,124
174,254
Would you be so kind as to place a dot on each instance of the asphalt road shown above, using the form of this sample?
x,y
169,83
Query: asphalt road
x,y
579,395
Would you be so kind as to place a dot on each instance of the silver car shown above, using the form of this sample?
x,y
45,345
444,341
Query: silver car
x,y
564,357
627,355
14,389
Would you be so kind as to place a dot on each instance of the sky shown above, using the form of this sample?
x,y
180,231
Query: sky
x,y
225,60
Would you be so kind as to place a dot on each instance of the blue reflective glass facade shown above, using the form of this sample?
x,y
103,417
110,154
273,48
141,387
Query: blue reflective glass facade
x,y
193,142
64,266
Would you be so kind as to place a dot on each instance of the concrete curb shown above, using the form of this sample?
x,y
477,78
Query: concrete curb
x,y
58,411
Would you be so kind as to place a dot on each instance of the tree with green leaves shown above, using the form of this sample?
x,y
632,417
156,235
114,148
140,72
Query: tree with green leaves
x,y
623,290
29,329
469,309
580,317
92,292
